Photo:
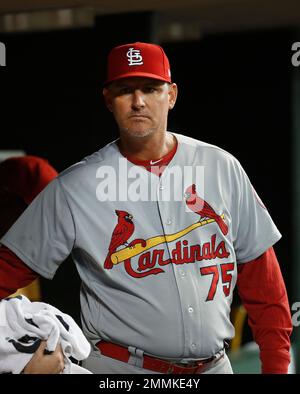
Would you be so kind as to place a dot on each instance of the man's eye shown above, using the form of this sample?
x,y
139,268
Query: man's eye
x,y
150,89
124,90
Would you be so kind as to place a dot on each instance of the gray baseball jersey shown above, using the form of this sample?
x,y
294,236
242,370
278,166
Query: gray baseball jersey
x,y
157,271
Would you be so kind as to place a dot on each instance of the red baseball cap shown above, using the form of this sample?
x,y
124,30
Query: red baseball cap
x,y
26,176
139,59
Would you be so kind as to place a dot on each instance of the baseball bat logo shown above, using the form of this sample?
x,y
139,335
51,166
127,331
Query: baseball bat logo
x,y
144,248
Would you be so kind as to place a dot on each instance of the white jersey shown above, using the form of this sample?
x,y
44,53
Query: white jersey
x,y
156,274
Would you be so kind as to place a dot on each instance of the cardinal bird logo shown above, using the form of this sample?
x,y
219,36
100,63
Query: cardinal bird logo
x,y
202,208
122,232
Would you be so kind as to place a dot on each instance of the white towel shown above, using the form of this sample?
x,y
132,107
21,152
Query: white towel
x,y
23,324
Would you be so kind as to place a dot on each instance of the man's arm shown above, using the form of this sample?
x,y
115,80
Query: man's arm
x,y
263,294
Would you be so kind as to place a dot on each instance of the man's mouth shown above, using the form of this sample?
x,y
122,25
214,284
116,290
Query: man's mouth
x,y
139,116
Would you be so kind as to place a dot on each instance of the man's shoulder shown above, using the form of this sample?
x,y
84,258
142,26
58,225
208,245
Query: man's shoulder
x,y
90,162
205,148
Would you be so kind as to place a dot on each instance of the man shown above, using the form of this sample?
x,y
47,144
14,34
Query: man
x,y
21,180
159,246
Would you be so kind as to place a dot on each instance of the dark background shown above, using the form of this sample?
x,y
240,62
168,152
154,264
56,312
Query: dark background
x,y
234,91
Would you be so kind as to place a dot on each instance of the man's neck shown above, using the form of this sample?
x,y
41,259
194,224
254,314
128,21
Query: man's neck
x,y
148,148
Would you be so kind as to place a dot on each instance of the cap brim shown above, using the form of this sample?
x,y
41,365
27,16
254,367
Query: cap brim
x,y
137,74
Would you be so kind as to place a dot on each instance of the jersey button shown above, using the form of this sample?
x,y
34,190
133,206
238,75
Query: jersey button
x,y
182,273
191,309
169,221
161,187
193,346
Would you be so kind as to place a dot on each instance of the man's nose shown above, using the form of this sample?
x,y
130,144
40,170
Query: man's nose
x,y
138,99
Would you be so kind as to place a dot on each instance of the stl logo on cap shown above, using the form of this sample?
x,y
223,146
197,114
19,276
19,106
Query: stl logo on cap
x,y
134,57
149,59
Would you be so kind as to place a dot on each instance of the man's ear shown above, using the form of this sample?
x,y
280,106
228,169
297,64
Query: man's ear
x,y
173,91
107,98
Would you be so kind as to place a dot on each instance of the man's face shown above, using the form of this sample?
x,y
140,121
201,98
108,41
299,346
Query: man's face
x,y
140,105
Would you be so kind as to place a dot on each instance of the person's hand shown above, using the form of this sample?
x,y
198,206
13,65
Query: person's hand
x,y
42,363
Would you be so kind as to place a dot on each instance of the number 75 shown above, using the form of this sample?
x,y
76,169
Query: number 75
x,y
225,276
